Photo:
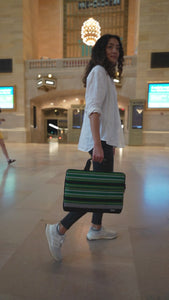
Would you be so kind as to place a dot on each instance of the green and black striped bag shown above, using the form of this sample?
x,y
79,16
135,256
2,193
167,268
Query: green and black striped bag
x,y
93,191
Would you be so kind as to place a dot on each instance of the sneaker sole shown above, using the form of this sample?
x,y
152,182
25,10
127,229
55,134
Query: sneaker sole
x,y
102,238
48,239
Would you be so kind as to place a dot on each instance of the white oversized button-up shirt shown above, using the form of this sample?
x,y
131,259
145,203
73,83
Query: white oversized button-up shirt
x,y
101,97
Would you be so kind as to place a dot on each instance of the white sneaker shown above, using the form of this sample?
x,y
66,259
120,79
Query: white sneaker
x,y
55,241
101,234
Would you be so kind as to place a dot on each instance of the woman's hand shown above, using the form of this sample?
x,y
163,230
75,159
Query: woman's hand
x,y
98,154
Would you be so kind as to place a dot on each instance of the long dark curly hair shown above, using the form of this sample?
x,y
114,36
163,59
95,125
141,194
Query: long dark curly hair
x,y
98,57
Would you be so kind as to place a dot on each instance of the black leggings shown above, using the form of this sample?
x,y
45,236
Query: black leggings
x,y
106,166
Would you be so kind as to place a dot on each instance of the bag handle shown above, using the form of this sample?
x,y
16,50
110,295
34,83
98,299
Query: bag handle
x,y
88,165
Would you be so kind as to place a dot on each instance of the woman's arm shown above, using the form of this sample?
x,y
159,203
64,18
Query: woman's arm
x,y
98,154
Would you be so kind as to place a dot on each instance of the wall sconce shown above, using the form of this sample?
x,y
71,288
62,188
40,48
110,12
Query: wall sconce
x,y
117,79
46,82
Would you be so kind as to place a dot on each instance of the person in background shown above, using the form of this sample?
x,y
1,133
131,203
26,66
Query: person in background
x,y
101,131
3,146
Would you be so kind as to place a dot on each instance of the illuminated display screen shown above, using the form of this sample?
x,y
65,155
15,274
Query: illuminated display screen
x,y
137,117
7,95
158,95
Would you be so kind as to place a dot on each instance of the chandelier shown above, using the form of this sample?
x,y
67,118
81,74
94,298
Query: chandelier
x,y
90,32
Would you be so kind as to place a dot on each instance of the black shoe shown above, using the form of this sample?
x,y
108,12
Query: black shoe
x,y
10,161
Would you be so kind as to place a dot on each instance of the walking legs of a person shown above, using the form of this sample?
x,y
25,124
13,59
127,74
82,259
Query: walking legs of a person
x,y
55,234
100,234
55,240
97,231
5,152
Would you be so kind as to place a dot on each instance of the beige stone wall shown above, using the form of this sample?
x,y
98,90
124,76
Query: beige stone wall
x,y
11,46
30,29
153,37
51,28
133,21
19,33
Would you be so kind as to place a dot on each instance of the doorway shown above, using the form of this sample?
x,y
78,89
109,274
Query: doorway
x,y
55,125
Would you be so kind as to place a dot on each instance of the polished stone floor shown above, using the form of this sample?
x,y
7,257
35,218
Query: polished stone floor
x,y
135,266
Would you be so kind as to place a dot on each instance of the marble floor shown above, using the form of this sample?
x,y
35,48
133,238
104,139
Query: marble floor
x,y
135,266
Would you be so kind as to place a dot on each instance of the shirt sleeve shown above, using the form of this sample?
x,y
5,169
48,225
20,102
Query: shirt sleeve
x,y
95,90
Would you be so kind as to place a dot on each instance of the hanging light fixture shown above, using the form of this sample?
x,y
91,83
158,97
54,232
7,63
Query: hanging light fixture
x,y
90,32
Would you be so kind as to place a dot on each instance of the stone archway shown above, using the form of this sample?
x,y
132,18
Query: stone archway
x,y
55,124
50,100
